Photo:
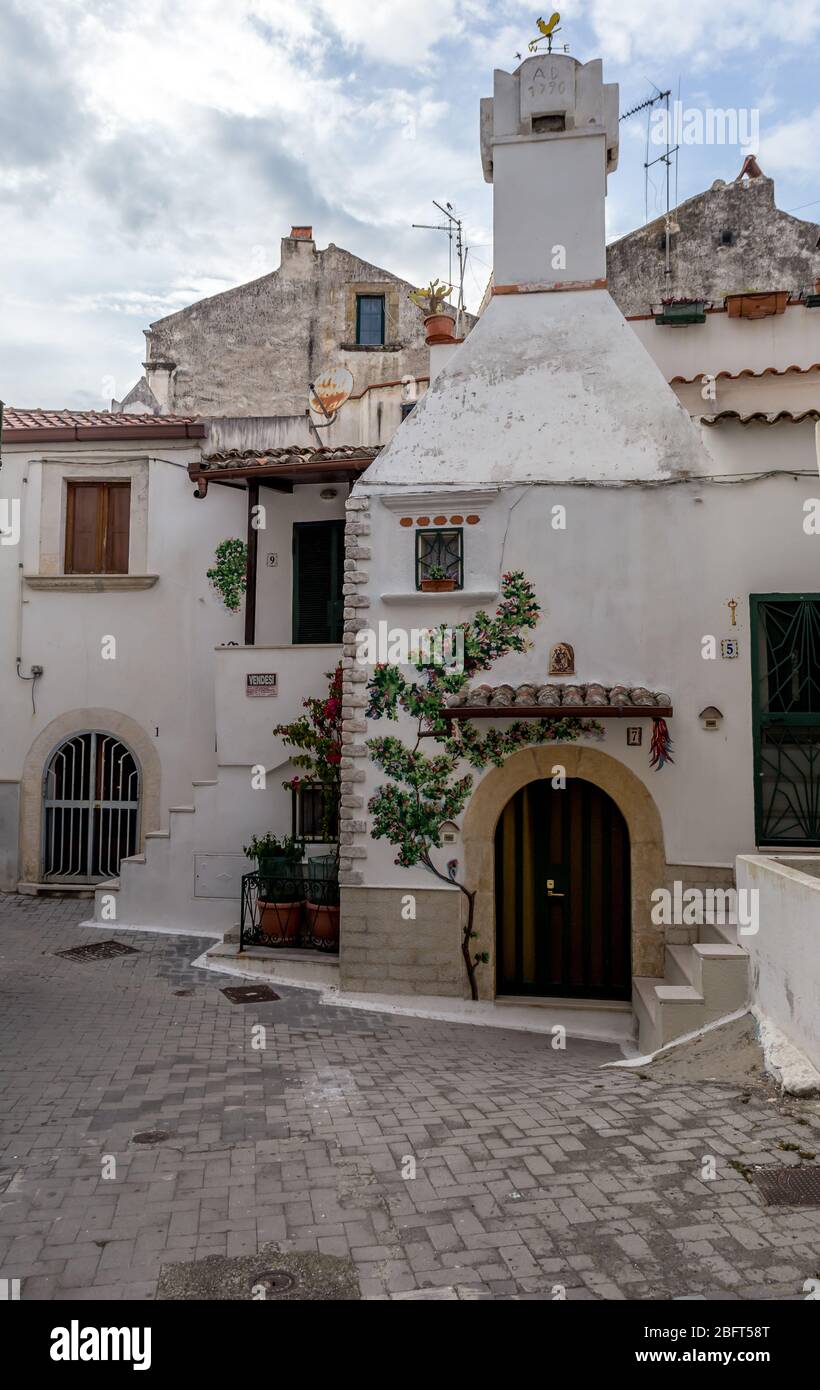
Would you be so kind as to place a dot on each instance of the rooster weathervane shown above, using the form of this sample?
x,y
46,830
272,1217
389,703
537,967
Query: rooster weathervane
x,y
547,32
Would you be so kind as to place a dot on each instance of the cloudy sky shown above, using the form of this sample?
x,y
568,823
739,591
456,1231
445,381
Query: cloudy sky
x,y
152,153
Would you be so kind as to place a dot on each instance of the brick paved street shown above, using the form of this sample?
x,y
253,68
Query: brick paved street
x,y
534,1167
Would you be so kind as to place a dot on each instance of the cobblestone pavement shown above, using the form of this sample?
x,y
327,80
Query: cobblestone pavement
x,y
534,1168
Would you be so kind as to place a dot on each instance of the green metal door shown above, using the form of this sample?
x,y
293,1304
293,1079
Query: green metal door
x,y
562,894
786,718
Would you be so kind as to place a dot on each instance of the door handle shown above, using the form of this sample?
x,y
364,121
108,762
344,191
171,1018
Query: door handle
x,y
551,890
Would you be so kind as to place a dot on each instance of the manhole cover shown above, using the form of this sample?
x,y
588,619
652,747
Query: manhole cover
x,y
789,1187
150,1136
249,994
183,993
274,1282
98,950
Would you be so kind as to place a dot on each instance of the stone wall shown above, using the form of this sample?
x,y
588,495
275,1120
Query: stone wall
x,y
383,952
731,237
254,349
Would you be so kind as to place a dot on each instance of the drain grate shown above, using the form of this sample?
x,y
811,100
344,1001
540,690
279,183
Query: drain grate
x,y
249,994
274,1282
182,993
98,950
150,1136
789,1187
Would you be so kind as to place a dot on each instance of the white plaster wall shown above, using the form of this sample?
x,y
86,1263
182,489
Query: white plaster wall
x,y
163,673
635,582
785,951
722,344
274,584
244,724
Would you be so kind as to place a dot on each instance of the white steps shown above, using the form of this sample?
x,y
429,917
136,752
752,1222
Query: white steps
x,y
702,982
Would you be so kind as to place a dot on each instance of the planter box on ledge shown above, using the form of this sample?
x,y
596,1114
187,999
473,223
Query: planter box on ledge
x,y
762,304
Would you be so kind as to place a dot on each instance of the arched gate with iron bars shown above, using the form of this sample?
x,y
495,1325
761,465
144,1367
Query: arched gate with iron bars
x,y
91,808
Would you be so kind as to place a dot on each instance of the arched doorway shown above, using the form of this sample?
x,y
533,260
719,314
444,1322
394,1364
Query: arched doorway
x,y
563,893
91,808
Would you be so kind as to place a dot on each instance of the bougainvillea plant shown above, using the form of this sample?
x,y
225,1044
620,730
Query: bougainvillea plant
x,y
425,790
319,735
228,575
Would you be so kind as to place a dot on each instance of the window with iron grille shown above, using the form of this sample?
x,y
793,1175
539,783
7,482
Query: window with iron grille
x,y
370,320
440,550
786,716
406,407
308,812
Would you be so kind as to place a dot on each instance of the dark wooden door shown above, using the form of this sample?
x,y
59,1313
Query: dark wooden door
x,y
562,894
318,576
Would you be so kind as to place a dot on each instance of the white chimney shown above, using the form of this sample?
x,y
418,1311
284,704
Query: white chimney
x,y
552,384
549,137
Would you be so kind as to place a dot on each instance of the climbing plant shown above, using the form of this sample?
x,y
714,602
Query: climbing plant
x,y
319,736
228,574
425,790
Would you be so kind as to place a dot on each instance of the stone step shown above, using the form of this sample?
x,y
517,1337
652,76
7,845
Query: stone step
x,y
308,969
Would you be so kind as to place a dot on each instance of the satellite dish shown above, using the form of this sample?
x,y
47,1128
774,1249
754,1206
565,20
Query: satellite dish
x,y
329,392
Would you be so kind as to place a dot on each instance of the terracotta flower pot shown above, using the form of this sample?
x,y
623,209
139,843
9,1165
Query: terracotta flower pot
x,y
323,926
439,328
280,922
760,304
437,586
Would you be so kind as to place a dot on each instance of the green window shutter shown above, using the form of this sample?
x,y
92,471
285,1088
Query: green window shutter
x,y
318,569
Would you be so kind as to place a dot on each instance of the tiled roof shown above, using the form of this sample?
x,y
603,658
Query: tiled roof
x,y
293,454
15,418
52,425
549,697
747,371
760,417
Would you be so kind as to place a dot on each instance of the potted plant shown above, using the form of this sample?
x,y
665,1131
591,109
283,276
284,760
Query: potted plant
x,y
756,304
439,321
281,886
436,581
681,310
322,906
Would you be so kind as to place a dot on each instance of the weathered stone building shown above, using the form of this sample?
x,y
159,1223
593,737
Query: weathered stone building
x,y
731,237
252,350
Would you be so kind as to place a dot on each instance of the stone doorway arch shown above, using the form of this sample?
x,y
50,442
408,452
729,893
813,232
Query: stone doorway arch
x,y
57,732
633,799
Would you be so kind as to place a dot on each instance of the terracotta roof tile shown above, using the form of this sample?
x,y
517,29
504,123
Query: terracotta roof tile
x,y
572,698
293,454
16,418
760,417
747,371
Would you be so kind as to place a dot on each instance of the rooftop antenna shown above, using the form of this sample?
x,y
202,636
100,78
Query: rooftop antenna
x,y
670,225
454,227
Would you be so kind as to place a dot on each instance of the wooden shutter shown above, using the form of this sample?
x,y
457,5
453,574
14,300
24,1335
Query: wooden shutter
x,y
85,501
117,528
318,567
97,528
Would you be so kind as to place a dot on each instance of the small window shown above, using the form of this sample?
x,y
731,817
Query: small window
x,y
98,518
727,237
406,407
439,555
370,320
309,820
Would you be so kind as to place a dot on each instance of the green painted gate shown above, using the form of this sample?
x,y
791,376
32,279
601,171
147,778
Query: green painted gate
x,y
786,718
562,894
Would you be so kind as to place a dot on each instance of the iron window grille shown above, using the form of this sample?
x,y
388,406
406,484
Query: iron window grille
x,y
406,407
442,549
308,802
370,320
786,718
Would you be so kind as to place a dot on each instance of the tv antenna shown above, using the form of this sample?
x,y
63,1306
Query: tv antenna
x,y
454,227
670,225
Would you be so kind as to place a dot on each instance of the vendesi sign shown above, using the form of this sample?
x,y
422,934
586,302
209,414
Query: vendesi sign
x,y
261,683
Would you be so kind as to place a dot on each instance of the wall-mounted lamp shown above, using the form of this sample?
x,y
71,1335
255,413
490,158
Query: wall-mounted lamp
x,y
711,717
